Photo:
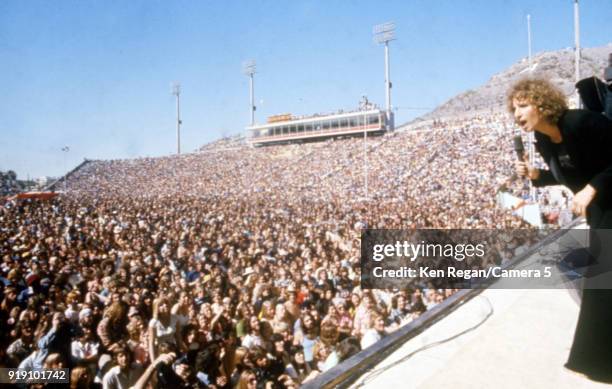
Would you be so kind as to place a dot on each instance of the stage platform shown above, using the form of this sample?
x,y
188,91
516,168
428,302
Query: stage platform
x,y
521,339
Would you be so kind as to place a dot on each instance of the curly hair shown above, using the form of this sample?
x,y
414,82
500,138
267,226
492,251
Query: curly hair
x,y
547,98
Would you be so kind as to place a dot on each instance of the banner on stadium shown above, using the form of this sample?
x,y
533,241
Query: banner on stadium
x,y
34,195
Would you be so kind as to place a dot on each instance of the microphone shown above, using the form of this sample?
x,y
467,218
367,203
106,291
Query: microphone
x,y
519,148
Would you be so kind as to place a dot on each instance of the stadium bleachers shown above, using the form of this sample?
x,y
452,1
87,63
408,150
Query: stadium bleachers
x,y
248,250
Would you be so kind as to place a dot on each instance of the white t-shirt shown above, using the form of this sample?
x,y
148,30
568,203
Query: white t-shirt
x,y
82,350
370,337
252,341
165,333
116,379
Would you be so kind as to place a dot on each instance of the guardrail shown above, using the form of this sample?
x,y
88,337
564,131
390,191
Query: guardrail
x,y
349,371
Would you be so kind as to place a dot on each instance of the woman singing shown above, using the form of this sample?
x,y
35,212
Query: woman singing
x,y
577,147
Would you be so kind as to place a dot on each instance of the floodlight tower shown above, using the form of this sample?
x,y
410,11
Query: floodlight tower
x,y
530,136
65,149
529,40
176,91
248,68
365,155
384,33
577,48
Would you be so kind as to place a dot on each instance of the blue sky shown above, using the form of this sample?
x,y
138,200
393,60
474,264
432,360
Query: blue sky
x,y
96,75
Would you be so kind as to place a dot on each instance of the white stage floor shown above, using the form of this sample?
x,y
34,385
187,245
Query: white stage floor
x,y
523,344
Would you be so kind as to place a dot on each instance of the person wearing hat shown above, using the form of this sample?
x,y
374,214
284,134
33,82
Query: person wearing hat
x,y
291,305
86,319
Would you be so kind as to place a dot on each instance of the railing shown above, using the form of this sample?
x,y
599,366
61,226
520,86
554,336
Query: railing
x,y
349,371
314,134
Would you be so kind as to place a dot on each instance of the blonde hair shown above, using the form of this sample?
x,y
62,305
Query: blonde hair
x,y
157,302
116,312
238,362
80,377
546,97
245,377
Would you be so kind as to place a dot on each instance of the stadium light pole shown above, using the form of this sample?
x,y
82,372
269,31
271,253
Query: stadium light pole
x,y
577,48
65,149
365,154
530,136
248,68
529,40
176,91
384,33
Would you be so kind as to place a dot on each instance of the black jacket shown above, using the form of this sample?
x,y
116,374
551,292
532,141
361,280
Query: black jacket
x,y
583,157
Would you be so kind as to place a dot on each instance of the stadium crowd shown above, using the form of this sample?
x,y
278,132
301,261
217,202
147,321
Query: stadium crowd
x,y
9,185
236,267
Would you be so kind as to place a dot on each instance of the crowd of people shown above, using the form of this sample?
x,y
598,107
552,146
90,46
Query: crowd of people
x,y
9,185
234,267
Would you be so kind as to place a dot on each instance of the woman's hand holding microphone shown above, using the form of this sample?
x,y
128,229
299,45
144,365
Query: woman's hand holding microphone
x,y
524,169
581,199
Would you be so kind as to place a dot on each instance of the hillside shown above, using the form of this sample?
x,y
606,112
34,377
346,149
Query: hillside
x,y
558,66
